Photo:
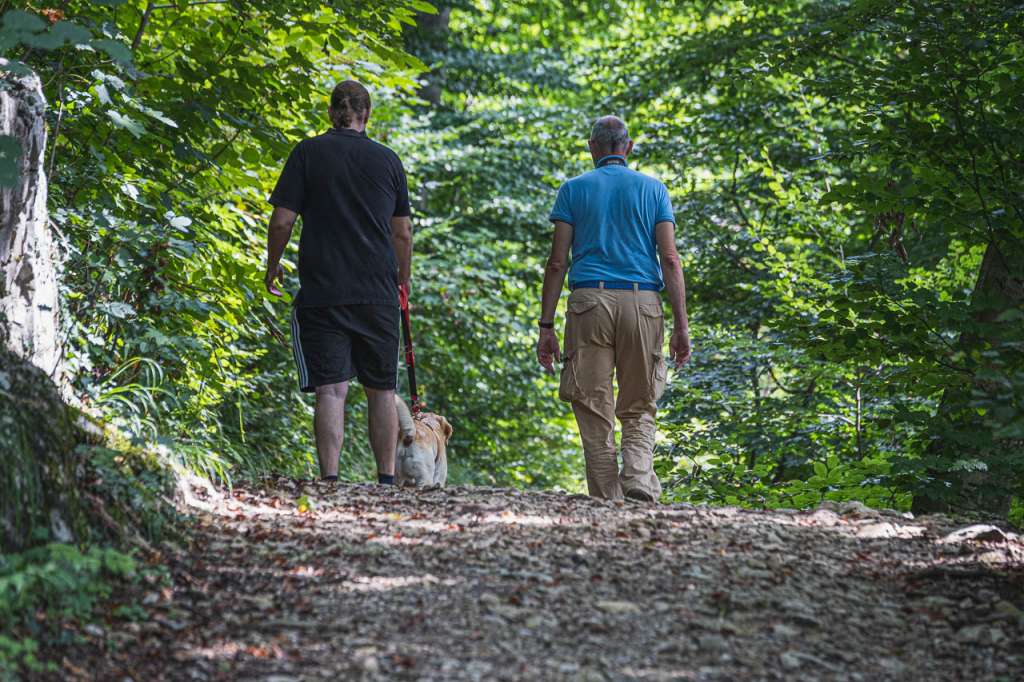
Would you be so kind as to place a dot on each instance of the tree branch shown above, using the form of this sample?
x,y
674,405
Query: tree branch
x,y
142,25
150,8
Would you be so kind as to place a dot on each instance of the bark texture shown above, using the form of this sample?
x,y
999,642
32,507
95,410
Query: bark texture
x,y
29,259
427,42
39,498
1000,288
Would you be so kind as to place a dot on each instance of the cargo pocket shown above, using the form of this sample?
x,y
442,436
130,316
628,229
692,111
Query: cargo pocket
x,y
579,324
652,310
580,307
568,387
652,325
659,376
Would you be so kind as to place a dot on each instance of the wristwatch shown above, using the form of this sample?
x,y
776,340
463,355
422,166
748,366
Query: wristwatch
x,y
545,325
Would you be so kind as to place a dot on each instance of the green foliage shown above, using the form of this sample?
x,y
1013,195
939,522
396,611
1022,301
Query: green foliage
x,y
162,150
38,490
848,189
51,588
46,587
844,183
847,184
1016,516
19,28
835,198
134,486
724,480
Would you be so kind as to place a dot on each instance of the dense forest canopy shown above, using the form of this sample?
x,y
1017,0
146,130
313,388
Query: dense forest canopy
x,y
847,176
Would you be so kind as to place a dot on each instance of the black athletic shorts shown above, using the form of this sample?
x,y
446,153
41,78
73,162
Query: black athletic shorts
x,y
332,344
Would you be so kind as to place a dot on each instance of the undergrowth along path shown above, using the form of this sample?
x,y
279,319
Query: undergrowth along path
x,y
309,581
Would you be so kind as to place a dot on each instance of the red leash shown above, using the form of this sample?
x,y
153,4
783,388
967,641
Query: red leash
x,y
410,357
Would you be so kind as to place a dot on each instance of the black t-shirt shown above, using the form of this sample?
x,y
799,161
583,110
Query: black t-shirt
x,y
346,187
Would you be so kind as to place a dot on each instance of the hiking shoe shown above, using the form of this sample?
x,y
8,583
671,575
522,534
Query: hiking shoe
x,y
639,495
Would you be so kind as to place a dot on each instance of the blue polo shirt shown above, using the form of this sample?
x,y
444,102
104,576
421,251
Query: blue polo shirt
x,y
613,210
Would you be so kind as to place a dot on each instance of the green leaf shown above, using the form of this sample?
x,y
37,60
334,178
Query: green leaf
x,y
968,465
422,6
117,309
23,22
1011,315
153,113
126,122
62,33
103,94
109,79
15,67
117,50
1014,430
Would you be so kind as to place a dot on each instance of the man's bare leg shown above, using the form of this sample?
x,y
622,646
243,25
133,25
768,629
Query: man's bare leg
x,y
383,428
329,424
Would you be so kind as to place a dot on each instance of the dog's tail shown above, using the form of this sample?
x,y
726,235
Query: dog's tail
x,y
405,423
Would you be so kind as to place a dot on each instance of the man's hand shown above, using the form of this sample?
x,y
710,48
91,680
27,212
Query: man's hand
x,y
679,347
547,350
274,273
554,277
675,287
278,233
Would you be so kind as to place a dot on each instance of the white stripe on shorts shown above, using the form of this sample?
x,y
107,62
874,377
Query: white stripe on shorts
x,y
300,358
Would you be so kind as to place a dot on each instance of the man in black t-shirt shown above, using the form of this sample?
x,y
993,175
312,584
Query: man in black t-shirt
x,y
355,249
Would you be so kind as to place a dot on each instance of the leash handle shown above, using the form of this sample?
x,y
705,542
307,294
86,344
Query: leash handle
x,y
403,297
410,356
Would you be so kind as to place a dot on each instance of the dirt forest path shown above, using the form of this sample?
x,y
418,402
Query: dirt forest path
x,y
303,581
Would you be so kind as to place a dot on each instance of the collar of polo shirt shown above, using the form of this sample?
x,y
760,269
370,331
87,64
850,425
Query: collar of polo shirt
x,y
611,159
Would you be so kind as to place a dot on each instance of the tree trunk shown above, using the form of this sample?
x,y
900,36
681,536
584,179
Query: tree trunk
x,y
428,41
29,260
999,289
39,494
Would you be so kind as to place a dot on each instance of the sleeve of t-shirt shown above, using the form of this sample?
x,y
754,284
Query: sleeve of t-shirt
x,y
562,210
664,213
289,192
402,208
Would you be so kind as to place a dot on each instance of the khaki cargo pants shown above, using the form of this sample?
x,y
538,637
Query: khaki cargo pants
x,y
615,332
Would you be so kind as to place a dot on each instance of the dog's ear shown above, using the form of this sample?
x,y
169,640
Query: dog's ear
x,y
447,428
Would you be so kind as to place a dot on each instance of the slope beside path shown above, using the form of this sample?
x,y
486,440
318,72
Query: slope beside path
x,y
304,581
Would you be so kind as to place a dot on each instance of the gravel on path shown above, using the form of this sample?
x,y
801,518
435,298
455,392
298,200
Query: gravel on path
x,y
292,580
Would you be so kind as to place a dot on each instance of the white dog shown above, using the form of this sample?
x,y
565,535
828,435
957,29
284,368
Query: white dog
x,y
421,455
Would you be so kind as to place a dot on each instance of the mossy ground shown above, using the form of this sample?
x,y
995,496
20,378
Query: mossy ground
x,y
80,511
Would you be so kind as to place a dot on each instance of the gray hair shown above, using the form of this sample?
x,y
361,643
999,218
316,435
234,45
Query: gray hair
x,y
609,132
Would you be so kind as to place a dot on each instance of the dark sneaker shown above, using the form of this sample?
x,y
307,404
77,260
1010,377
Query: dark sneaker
x,y
639,495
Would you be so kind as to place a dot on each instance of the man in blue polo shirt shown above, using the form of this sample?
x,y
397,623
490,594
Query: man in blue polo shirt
x,y
620,227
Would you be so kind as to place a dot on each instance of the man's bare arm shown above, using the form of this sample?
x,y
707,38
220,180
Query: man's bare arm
x,y
554,271
282,220
401,239
675,287
554,279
